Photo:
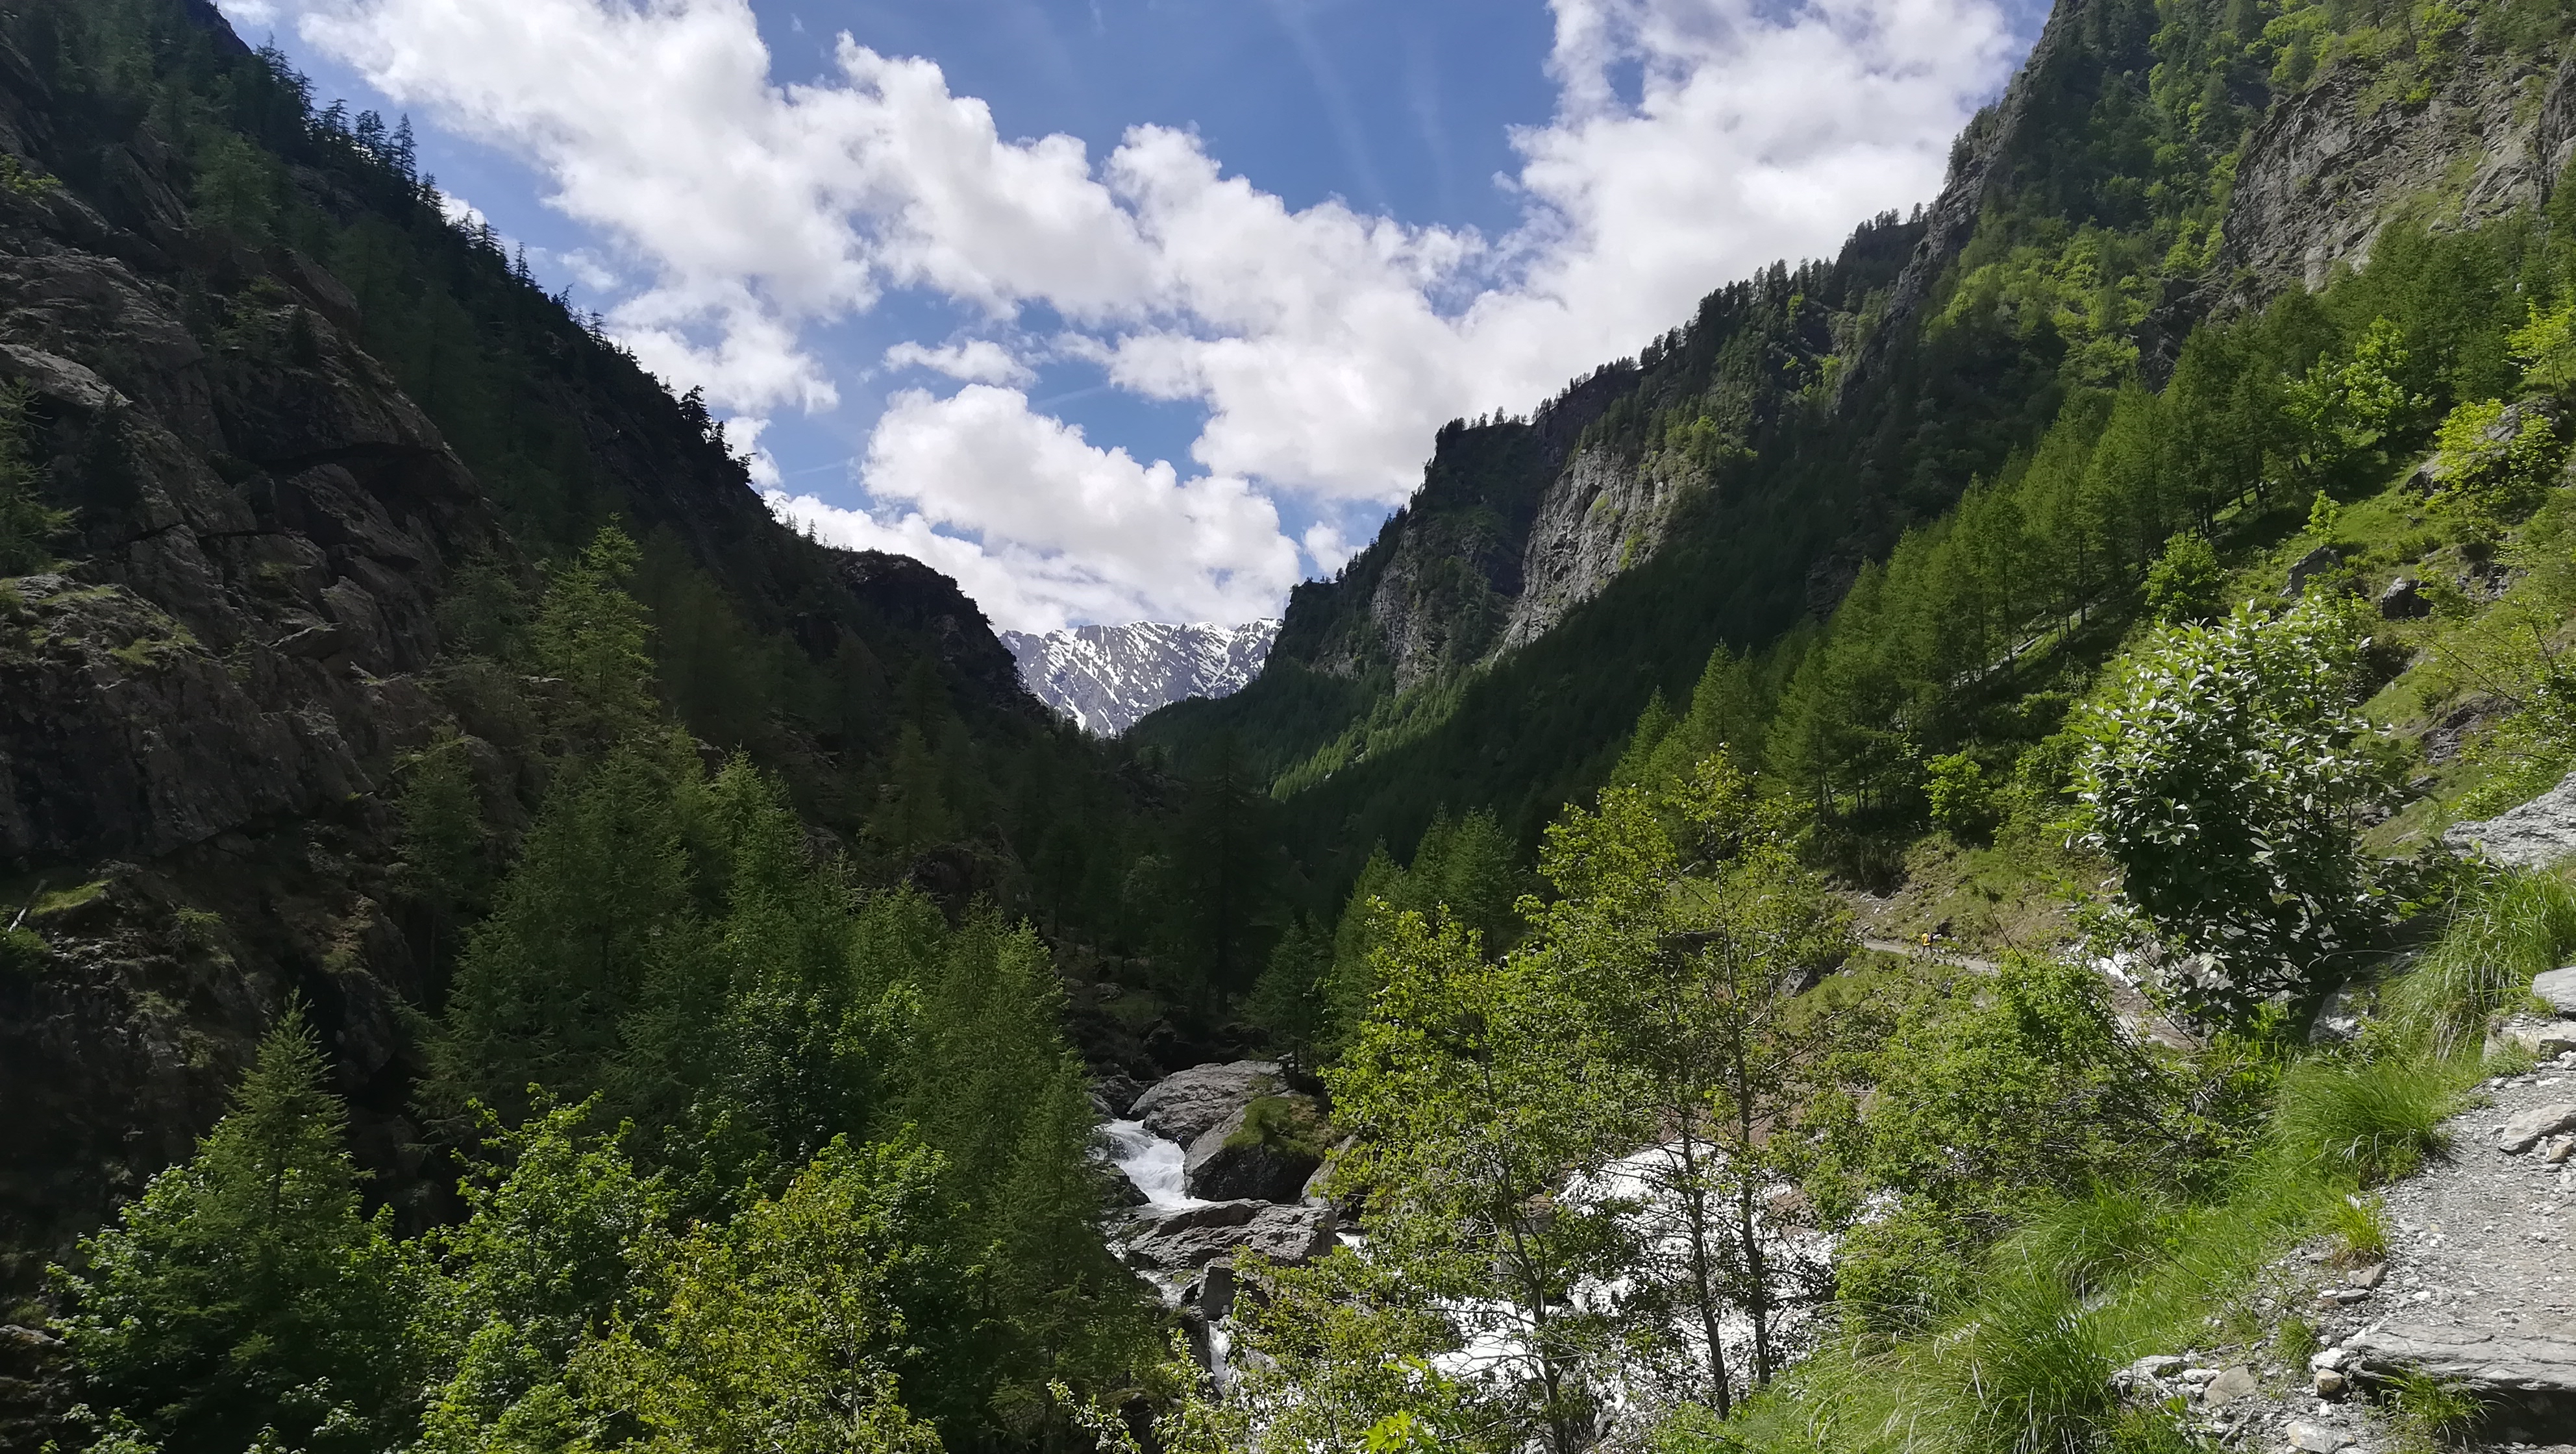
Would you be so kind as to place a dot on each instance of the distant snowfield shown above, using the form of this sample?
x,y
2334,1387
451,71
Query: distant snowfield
x,y
1106,678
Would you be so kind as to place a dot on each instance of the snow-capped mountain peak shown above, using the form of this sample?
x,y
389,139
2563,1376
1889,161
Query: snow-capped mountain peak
x,y
1107,677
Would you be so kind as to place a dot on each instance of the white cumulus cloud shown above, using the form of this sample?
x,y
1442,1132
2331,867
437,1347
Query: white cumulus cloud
x,y
1693,141
976,361
1042,527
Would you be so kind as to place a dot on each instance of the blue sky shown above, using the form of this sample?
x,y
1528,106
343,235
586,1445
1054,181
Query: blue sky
x,y
1145,309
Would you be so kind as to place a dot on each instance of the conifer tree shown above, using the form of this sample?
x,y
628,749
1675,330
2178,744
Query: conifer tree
x,y
243,1296
594,638
601,894
442,835
913,812
1289,1000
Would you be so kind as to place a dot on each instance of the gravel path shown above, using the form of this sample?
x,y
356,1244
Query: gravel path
x,y
2480,1280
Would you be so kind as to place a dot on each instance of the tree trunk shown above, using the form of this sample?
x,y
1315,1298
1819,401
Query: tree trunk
x,y
1703,1277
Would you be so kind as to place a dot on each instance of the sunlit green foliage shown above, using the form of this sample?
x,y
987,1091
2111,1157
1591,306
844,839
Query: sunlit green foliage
x,y
2222,777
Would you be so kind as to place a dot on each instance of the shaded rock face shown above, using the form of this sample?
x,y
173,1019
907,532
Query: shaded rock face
x,y
1183,1106
2323,558
912,597
1222,1164
198,713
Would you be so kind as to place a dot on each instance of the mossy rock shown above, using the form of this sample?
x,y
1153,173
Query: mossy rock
x,y
1264,1152
1291,1124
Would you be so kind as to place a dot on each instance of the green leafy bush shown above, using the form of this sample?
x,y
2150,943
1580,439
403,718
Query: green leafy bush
x,y
2221,775
2493,468
1961,799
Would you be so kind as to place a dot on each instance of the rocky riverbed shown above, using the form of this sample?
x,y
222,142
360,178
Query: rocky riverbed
x,y
1219,1162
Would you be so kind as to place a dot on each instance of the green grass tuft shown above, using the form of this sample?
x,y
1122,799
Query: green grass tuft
x,y
2090,1244
2502,932
22,951
2366,1122
2037,1378
2430,1415
2359,1225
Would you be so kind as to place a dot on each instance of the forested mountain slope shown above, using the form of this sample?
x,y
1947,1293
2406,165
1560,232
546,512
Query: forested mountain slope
x,y
333,553
2152,165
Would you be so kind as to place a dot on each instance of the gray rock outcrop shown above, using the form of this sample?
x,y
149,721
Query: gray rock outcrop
x,y
2523,1378
2330,168
2524,1130
2309,566
1183,1105
1187,1240
2339,1017
1223,1163
2544,1039
2558,987
2535,835
1598,518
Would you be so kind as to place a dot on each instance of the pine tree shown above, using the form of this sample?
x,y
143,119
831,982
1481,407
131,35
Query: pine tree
x,y
243,1295
594,638
913,811
1288,1001
602,894
442,835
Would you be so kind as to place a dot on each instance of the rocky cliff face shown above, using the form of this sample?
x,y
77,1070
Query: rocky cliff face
x,y
198,712
2332,167
1601,516
206,704
1106,677
1853,400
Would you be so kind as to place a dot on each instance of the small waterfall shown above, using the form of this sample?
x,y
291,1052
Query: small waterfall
x,y
1149,1161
